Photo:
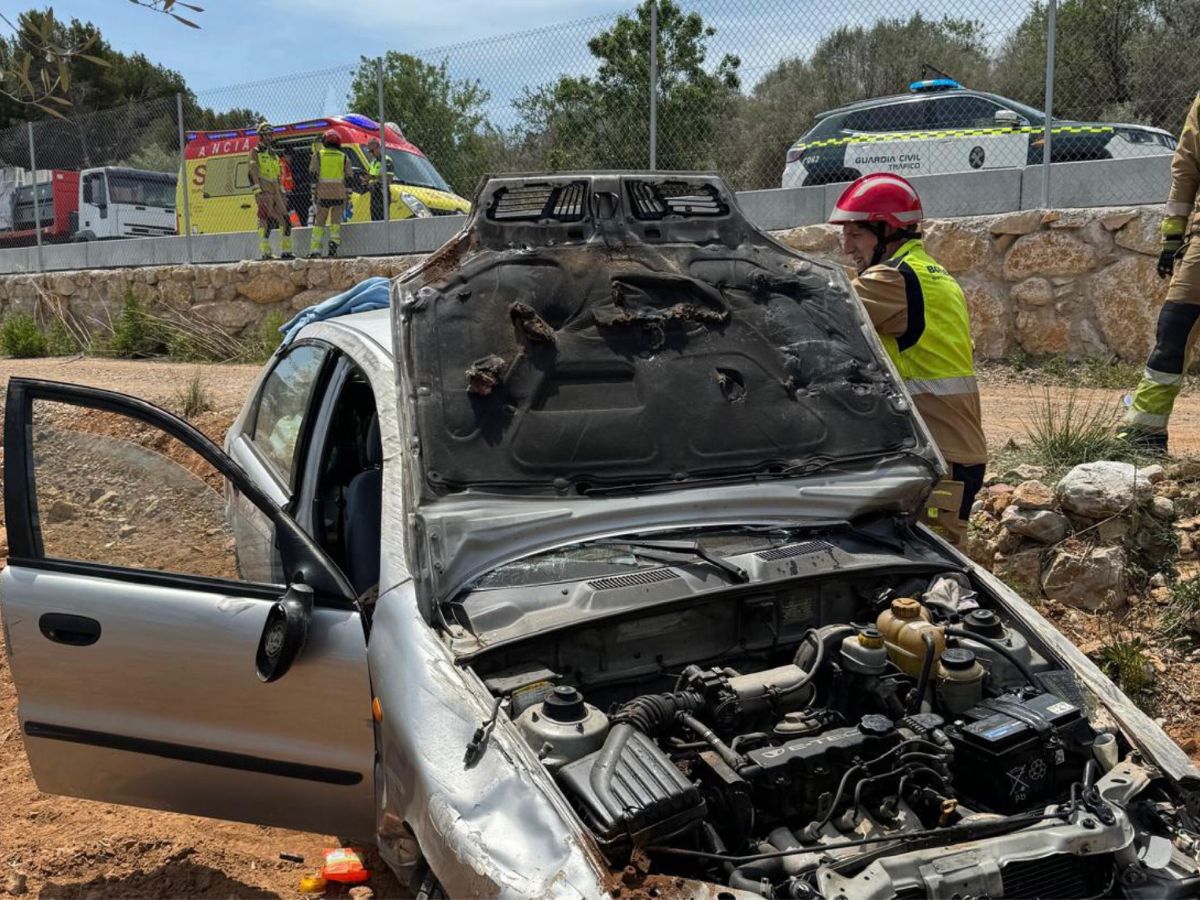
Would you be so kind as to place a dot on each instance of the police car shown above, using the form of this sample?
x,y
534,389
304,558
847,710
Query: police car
x,y
940,127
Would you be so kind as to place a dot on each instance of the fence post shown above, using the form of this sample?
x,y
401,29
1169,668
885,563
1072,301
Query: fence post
x,y
653,85
387,185
183,180
1047,136
37,206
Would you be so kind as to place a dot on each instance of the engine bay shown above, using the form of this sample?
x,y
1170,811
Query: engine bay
x,y
802,740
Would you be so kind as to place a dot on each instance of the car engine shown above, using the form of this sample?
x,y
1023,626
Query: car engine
x,y
815,750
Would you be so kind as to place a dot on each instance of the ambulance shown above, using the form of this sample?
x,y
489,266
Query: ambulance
x,y
221,198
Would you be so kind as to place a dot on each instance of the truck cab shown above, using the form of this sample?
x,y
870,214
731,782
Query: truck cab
x,y
125,203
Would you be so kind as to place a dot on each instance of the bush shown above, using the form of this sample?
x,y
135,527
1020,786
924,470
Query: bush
x,y
20,337
193,398
1182,608
259,347
61,342
1065,434
1126,663
137,334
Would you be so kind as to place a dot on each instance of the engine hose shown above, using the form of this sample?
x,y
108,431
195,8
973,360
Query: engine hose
x,y
757,878
653,714
1026,673
731,758
914,705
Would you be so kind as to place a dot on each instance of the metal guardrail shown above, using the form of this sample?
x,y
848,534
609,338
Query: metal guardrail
x,y
1089,184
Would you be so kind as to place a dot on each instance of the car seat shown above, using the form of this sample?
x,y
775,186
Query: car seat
x,y
363,514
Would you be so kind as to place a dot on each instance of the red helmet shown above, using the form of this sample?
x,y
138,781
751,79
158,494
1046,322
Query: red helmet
x,y
331,138
879,198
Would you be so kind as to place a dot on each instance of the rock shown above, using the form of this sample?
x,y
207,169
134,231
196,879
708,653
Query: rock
x,y
811,239
104,499
1126,297
1114,530
1048,253
956,246
126,531
1140,233
1162,508
1033,495
230,317
1186,548
1006,542
991,319
1043,331
61,511
1184,470
1017,223
1154,473
310,297
1085,577
1114,221
1158,580
1043,525
1024,472
15,883
1032,292
362,892
1099,489
1020,571
268,287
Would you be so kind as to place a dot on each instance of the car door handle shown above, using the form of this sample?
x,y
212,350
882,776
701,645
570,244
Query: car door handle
x,y
245,206
76,631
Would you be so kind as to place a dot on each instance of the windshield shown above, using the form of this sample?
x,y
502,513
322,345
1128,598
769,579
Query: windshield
x,y
409,168
142,190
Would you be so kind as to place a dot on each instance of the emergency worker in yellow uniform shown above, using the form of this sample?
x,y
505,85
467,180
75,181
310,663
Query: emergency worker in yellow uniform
x,y
1149,410
266,175
332,170
920,313
377,180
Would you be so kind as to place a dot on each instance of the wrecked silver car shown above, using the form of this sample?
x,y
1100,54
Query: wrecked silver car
x,y
651,614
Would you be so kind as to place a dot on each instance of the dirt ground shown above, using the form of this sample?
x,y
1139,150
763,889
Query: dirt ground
x,y
78,849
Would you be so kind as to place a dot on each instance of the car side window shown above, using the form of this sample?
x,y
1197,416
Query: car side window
x,y
964,112
115,491
908,115
283,406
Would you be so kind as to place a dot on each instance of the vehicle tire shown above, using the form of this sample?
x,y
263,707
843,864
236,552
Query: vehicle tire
x,y
82,237
834,177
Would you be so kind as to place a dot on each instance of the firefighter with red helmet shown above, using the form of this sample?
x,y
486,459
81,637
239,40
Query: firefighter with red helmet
x,y
331,168
920,313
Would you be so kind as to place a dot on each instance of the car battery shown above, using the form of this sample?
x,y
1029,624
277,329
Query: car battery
x,y
1013,752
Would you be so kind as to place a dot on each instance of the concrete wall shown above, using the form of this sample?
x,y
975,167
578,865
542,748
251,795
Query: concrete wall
x,y
1072,185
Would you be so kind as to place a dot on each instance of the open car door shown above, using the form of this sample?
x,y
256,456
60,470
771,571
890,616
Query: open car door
x,y
147,672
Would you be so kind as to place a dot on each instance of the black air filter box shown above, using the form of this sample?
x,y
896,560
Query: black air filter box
x,y
629,791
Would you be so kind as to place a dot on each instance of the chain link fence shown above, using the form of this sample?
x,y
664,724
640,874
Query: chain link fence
x,y
770,93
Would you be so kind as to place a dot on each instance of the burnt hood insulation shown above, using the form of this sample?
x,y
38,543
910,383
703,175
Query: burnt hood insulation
x,y
602,332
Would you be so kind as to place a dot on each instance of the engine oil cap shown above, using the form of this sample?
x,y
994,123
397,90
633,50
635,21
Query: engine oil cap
x,y
985,622
906,608
875,724
957,659
564,704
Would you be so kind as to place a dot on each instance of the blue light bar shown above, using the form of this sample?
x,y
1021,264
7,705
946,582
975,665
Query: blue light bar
x,y
362,122
934,84
316,123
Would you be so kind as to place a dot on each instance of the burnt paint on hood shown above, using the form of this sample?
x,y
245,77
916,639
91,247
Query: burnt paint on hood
x,y
603,332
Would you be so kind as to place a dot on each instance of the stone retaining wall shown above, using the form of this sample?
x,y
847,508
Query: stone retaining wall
x,y
1079,282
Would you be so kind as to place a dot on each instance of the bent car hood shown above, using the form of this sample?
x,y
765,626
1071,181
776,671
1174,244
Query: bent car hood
x,y
600,336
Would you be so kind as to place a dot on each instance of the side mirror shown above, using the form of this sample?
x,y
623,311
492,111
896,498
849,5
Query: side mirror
x,y
284,633
1006,118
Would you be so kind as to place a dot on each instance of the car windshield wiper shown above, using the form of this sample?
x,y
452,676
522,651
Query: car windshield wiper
x,y
670,551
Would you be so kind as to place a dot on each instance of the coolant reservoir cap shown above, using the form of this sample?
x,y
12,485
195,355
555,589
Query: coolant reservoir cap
x,y
957,659
564,704
873,723
870,637
985,622
906,608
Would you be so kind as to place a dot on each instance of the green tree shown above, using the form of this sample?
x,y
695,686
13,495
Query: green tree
x,y
852,63
603,121
445,117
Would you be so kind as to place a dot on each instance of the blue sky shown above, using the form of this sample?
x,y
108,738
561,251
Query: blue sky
x,y
293,59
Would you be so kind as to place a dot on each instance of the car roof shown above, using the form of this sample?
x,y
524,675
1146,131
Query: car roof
x,y
375,326
911,96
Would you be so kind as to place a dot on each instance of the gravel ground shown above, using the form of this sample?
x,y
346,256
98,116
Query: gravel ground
x,y
72,848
